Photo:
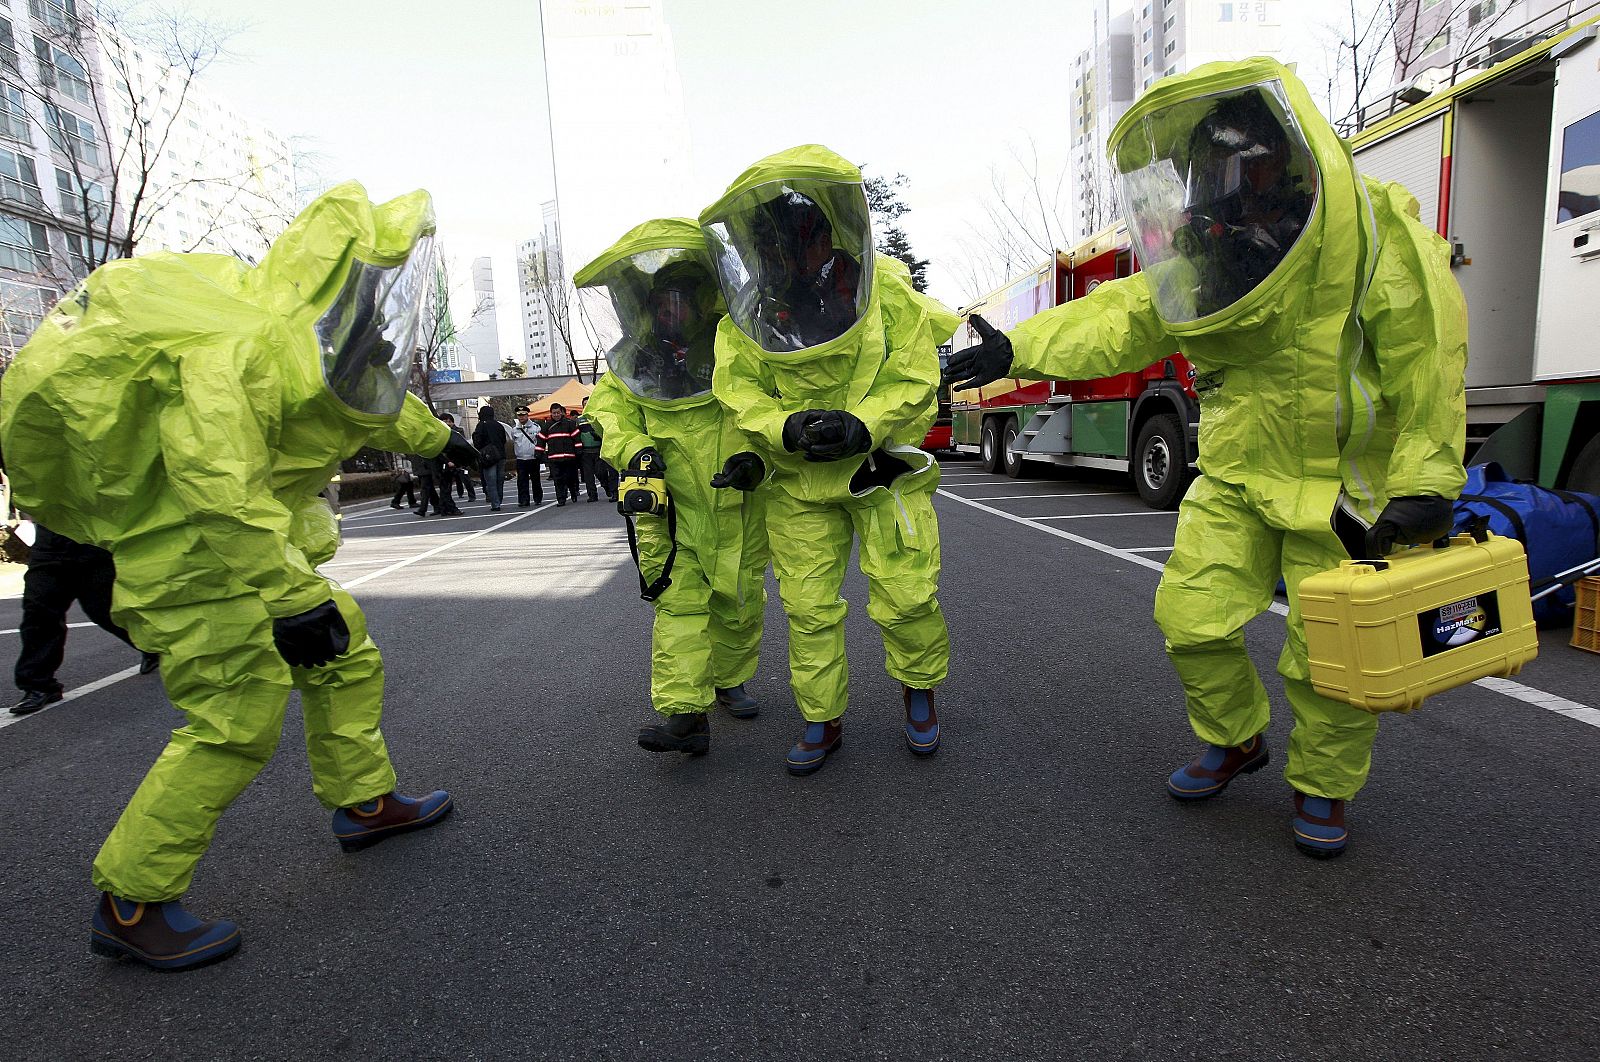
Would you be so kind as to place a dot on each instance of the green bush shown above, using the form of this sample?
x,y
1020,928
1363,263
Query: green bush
x,y
359,486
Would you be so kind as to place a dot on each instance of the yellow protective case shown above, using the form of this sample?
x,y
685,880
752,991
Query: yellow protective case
x,y
1384,638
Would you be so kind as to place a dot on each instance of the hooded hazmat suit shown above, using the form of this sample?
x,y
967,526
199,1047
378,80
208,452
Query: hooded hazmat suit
x,y
184,411
1329,340
707,632
773,361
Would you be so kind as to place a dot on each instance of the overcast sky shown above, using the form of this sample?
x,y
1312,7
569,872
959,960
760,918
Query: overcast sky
x,y
450,97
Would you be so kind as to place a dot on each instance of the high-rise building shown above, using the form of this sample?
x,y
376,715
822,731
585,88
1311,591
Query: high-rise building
x,y
546,298
1452,37
619,131
479,341
1131,51
220,183
53,159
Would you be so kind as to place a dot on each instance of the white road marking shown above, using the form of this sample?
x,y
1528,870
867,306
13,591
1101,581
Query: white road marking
x,y
413,521
1516,690
1025,497
18,630
1548,701
1100,516
111,680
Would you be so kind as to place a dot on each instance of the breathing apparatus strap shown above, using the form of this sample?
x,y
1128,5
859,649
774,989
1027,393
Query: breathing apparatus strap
x,y
651,591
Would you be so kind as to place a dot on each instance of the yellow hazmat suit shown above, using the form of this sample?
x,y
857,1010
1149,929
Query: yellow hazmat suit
x,y
707,632
185,411
877,362
1330,342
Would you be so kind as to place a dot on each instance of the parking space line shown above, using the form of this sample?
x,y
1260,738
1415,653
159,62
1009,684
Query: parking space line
x,y
1101,516
1515,690
18,630
1025,497
111,680
1149,549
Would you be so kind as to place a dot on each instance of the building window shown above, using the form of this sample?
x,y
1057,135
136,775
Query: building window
x,y
1171,47
13,113
57,14
1224,12
19,181
59,70
78,246
1147,32
72,195
1169,23
71,134
1441,40
1478,12
8,46
23,306
23,245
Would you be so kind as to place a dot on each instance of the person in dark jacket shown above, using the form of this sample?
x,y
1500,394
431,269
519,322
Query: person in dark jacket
x,y
61,571
459,477
426,472
589,460
560,446
490,439
404,486
446,472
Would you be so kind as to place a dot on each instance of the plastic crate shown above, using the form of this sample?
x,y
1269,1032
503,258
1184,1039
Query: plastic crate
x,y
1586,620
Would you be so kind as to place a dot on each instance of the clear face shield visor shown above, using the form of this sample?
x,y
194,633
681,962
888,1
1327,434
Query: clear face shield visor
x,y
368,333
795,258
1216,191
667,307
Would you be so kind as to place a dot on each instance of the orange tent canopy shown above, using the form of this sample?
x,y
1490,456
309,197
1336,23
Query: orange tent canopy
x,y
572,394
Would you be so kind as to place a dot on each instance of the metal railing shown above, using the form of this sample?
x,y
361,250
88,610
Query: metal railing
x,y
1506,43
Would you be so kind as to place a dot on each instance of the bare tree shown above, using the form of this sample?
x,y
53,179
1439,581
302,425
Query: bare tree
x,y
545,276
1022,223
438,337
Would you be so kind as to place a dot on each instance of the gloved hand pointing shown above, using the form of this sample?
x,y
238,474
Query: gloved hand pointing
x,y
833,435
312,638
742,471
1411,520
982,363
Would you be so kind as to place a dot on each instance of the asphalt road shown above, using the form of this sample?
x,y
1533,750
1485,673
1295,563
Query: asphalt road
x,y
1030,892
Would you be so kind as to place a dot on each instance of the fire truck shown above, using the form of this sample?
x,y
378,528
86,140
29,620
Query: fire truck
x,y
1503,153
1144,423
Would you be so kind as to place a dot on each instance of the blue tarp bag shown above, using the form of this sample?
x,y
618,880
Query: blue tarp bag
x,y
1560,529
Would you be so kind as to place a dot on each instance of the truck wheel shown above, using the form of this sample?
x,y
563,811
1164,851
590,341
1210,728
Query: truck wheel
x,y
989,445
1161,462
1585,474
1012,463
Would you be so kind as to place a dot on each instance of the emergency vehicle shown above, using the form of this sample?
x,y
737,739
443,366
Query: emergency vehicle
x,y
1141,422
1504,158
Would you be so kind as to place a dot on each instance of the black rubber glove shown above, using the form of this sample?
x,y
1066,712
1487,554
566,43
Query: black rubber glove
x,y
657,462
796,425
983,363
834,435
458,451
1410,521
312,638
742,471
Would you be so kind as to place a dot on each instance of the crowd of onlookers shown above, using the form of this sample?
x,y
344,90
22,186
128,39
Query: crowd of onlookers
x,y
566,445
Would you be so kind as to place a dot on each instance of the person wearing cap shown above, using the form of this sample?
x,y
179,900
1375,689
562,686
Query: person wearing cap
x,y
525,446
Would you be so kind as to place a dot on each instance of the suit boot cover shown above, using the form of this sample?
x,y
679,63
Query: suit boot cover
x,y
816,742
685,732
382,817
1319,826
1209,773
148,662
163,936
737,703
922,722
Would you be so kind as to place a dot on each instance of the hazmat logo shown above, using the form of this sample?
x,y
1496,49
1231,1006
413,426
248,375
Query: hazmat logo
x,y
1459,623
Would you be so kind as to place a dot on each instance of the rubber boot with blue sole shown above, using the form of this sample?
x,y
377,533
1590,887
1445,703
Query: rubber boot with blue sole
x,y
737,703
817,742
922,721
1209,773
162,936
1318,825
388,816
